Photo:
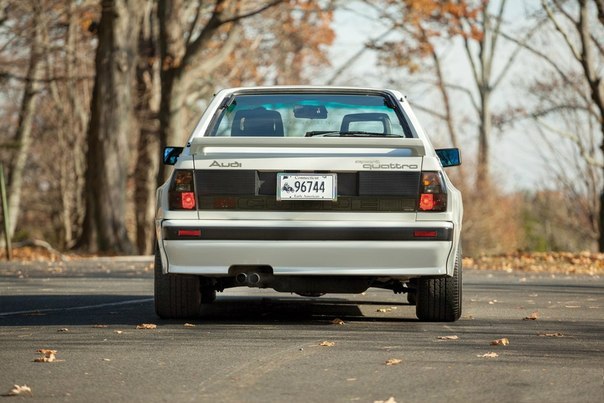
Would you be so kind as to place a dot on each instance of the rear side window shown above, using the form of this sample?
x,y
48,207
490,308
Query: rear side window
x,y
300,115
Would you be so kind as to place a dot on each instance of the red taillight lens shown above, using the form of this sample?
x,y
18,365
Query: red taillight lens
x,y
433,195
182,192
187,200
426,201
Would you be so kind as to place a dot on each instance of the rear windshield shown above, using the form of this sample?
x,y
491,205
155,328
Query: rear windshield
x,y
310,115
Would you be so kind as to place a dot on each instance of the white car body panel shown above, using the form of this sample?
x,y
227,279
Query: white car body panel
x,y
402,259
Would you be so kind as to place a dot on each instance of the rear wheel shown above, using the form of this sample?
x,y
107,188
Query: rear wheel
x,y
439,299
176,295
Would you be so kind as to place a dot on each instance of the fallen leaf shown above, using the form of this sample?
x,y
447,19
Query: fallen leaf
x,y
390,400
63,330
100,326
383,310
18,390
118,331
327,343
488,355
393,361
448,337
337,321
533,316
500,342
107,359
47,355
189,325
556,334
146,326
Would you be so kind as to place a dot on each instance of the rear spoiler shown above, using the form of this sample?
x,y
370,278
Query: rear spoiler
x,y
199,145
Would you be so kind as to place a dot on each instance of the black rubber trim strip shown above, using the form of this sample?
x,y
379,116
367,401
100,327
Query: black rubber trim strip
x,y
308,234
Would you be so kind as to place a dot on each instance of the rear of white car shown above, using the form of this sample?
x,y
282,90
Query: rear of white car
x,y
309,190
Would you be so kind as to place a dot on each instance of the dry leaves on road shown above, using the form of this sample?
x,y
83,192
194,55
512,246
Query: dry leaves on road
x,y
501,342
327,343
488,355
453,337
47,355
393,361
384,310
390,400
19,391
555,334
100,326
63,330
337,321
146,326
189,325
533,316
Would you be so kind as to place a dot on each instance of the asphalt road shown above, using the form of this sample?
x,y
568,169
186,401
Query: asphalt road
x,y
260,346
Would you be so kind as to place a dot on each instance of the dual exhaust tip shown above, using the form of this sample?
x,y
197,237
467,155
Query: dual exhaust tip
x,y
251,279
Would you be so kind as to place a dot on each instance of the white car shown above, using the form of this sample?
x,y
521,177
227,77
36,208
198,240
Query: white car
x,y
309,190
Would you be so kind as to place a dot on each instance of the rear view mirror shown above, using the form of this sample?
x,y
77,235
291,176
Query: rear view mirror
x,y
310,111
171,155
449,157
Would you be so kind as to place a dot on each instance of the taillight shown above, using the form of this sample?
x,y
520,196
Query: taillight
x,y
433,195
182,191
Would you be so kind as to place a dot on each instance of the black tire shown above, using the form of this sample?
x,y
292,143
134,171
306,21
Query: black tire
x,y
208,295
439,299
412,298
412,293
176,296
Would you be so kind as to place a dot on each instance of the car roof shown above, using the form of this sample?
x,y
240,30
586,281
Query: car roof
x,y
308,88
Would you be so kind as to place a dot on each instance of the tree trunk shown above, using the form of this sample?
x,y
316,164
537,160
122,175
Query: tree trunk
x,y
111,124
147,165
484,135
23,135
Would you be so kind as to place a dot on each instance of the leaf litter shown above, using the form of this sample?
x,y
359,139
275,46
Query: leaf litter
x,y
47,355
488,355
554,334
501,342
533,316
393,361
146,326
327,343
18,390
452,337
337,321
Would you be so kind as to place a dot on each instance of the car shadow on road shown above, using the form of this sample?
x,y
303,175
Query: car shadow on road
x,y
73,310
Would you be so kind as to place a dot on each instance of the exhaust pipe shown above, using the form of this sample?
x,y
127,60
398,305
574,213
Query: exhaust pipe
x,y
241,278
253,279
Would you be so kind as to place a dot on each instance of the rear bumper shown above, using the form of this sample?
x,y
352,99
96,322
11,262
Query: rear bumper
x,y
307,247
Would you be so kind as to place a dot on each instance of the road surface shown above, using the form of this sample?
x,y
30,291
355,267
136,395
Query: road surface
x,y
261,346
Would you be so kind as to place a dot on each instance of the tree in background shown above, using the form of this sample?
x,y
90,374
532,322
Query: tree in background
x,y
51,189
566,102
111,126
33,18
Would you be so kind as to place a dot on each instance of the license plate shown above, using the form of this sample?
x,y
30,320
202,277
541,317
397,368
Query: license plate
x,y
306,186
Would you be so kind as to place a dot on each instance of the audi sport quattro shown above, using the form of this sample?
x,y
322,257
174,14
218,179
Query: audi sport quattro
x,y
309,190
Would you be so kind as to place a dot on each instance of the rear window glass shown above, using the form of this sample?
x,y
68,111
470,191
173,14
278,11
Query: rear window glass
x,y
300,115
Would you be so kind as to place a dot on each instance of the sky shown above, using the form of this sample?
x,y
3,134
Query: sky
x,y
516,161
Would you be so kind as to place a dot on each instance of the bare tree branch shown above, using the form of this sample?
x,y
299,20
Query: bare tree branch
x,y
561,30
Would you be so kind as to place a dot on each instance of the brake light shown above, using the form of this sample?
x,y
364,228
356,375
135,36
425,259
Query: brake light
x,y
433,195
182,191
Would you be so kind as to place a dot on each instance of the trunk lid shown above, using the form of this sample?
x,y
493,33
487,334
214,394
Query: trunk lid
x,y
373,174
